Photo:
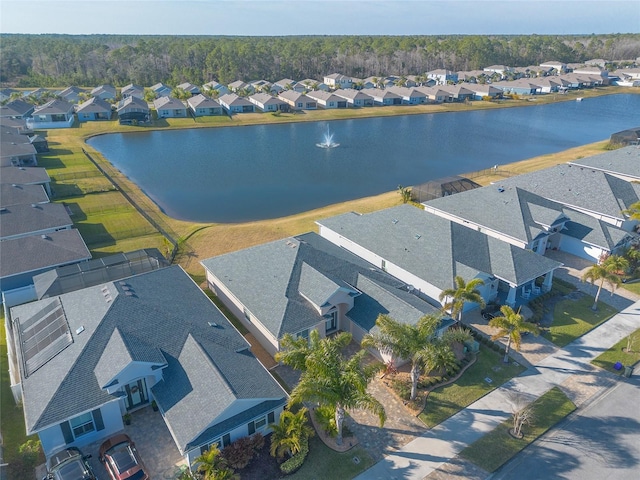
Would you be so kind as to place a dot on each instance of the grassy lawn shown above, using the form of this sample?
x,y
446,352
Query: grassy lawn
x,y
619,353
498,447
322,462
574,318
12,421
632,287
450,399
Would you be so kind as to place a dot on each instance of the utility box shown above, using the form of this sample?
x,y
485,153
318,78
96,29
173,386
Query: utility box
x,y
472,346
628,371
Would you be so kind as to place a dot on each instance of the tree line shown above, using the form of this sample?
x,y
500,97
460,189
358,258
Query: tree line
x,y
87,60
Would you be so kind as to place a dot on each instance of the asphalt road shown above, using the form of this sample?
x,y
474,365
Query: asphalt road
x,y
600,442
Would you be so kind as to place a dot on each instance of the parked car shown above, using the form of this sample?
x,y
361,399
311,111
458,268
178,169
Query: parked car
x,y
69,464
121,459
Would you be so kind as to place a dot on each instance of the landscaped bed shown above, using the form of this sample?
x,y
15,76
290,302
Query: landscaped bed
x,y
497,447
573,317
472,385
626,351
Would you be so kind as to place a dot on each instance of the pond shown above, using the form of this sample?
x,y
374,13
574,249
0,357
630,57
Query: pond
x,y
238,174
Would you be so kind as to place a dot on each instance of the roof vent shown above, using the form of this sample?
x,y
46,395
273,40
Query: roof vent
x,y
501,189
394,221
418,236
213,324
14,185
34,205
44,237
79,330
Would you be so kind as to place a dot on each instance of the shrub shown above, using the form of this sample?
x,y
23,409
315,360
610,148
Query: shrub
x,y
326,419
402,388
257,441
295,462
240,452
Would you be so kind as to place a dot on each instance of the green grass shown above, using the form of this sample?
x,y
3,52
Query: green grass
x,y
574,318
12,421
450,399
618,353
632,287
322,462
497,447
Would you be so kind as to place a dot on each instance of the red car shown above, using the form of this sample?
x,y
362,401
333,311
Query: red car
x,y
121,459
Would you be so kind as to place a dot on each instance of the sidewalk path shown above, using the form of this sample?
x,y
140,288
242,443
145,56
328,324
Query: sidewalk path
x,y
568,368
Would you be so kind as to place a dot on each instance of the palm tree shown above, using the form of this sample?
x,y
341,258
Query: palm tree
x,y
328,378
416,343
461,294
606,272
212,466
288,436
512,325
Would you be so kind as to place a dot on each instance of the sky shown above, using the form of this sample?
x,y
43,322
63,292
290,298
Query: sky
x,y
326,17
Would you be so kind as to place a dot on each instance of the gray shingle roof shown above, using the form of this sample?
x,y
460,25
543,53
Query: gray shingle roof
x,y
94,105
54,107
201,101
171,314
623,161
33,253
581,188
168,103
24,219
435,249
268,279
16,194
24,175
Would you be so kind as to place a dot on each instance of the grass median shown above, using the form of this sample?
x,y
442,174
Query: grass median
x,y
626,351
498,446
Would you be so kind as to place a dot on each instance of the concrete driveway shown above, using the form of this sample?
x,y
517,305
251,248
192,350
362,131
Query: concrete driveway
x,y
601,441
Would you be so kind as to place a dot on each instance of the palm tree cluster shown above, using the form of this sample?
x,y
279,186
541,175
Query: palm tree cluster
x,y
211,465
328,378
417,343
289,435
463,292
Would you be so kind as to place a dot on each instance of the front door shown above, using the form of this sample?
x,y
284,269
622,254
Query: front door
x,y
136,393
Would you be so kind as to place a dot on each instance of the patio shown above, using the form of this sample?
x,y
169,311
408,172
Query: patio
x,y
154,443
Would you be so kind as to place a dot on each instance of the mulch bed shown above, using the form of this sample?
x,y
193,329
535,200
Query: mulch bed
x,y
263,466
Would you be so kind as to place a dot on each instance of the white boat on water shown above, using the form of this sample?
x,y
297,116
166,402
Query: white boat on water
x,y
579,99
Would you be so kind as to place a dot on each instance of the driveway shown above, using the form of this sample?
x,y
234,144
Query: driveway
x,y
601,441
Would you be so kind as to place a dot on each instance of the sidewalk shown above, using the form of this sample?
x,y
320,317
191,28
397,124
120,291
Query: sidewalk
x,y
568,368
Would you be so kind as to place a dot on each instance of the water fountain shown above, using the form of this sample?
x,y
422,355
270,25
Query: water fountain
x,y
328,141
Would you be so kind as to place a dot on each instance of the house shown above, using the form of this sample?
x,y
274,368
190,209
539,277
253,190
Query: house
x,y
105,92
428,252
16,109
547,84
457,93
18,154
597,62
384,97
442,76
5,94
13,175
298,101
161,90
22,258
261,86
133,110
202,106
72,94
311,84
501,70
304,283
232,103
189,87
268,103
169,107
559,67
600,74
212,86
287,84
472,76
410,96
529,221
132,90
434,94
327,99
519,87
239,85
53,114
354,98
336,80
17,124
153,336
94,109
19,221
481,91
14,194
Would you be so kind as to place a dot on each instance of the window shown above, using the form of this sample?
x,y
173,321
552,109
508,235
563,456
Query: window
x,y
257,425
205,448
82,425
303,334
331,323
